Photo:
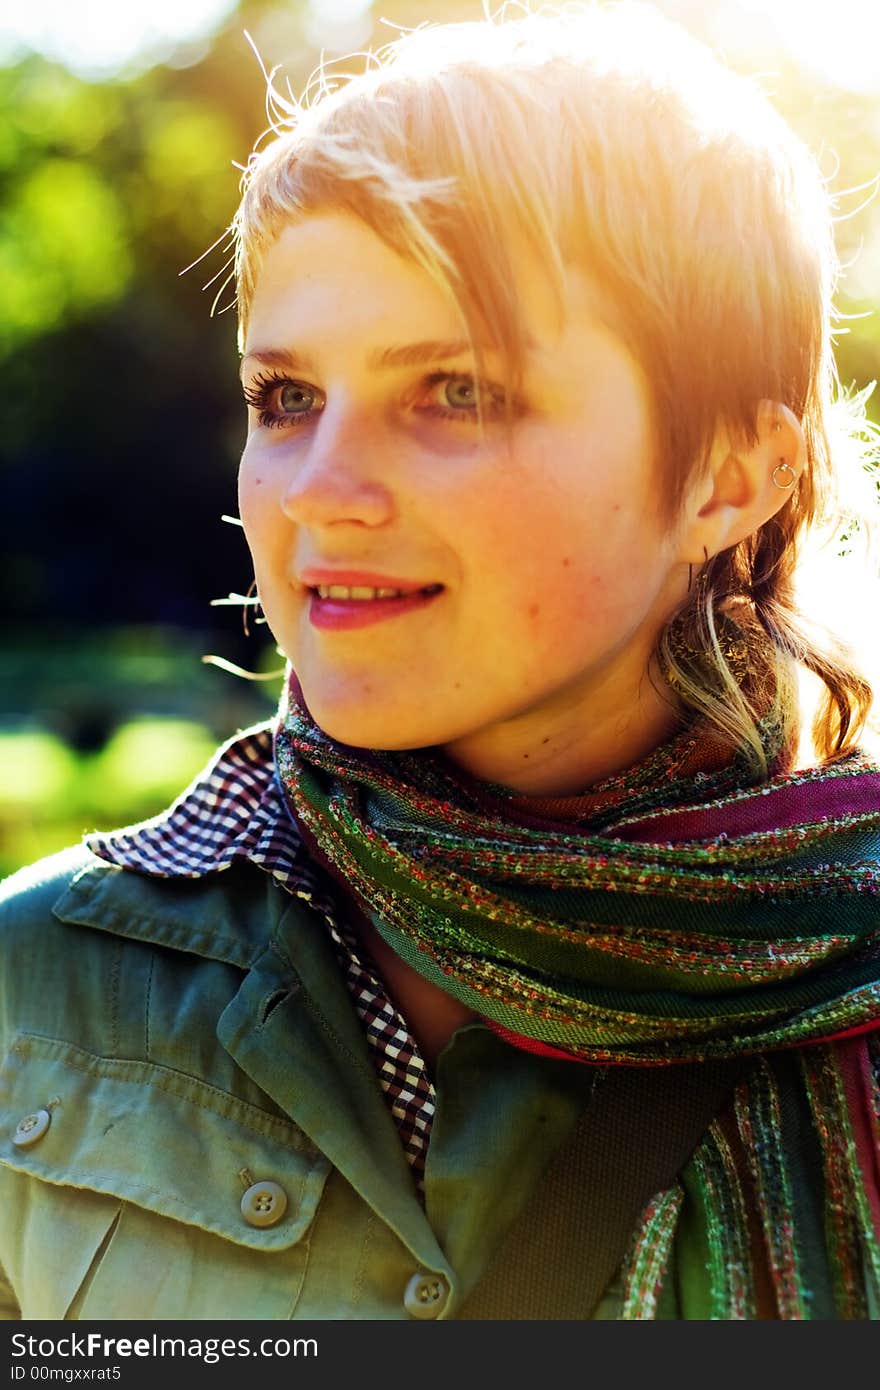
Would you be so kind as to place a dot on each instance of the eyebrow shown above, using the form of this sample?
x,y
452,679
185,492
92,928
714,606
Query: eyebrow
x,y
405,355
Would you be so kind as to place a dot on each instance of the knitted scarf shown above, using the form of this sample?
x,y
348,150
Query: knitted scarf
x,y
683,914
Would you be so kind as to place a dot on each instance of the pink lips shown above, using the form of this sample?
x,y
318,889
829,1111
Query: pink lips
x,y
340,612
337,613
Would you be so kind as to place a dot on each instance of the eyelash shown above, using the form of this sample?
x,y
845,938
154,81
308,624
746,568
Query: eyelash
x,y
259,396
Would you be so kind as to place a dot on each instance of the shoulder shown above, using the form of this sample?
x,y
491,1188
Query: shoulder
x,y
39,957
79,936
28,896
77,889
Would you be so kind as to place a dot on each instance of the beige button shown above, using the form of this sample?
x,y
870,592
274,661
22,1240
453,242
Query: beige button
x,y
264,1204
31,1128
425,1295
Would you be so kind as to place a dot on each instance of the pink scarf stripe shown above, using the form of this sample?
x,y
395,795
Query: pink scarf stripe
x,y
855,1070
773,808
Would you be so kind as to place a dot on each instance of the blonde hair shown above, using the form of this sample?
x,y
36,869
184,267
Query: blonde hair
x,y
606,136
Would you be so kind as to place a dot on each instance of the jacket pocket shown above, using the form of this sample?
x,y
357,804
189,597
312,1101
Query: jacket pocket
x,y
136,1191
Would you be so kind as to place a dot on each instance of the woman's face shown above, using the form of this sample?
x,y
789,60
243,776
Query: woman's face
x,y
538,569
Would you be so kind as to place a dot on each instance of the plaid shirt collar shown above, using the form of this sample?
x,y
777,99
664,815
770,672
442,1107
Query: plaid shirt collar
x,y
232,809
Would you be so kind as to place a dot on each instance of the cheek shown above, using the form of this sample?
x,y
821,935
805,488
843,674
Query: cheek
x,y
269,543
250,496
558,564
258,500
527,566
243,478
538,540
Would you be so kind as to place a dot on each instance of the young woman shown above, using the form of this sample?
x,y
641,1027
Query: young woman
x,y
524,966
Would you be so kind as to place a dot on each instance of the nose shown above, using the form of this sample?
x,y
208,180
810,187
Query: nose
x,y
337,477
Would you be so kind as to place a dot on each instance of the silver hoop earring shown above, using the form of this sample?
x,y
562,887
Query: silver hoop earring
x,y
790,482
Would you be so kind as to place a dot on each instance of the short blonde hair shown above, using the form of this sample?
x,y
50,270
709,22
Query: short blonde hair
x,y
607,136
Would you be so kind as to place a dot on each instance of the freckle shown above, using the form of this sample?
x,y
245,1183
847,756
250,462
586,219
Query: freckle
x,y
616,507
565,562
456,685
525,755
546,740
534,610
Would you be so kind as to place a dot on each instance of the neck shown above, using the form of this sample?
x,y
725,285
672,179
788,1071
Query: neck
x,y
573,743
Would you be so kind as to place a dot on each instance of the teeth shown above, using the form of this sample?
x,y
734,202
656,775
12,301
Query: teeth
x,y
357,591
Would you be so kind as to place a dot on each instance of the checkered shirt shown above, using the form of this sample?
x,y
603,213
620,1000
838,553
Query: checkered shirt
x,y
235,809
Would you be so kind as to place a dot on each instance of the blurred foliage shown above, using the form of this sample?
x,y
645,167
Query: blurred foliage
x,y
101,730
51,795
121,415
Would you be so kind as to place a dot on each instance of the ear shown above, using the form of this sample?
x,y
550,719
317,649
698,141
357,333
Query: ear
x,y
744,487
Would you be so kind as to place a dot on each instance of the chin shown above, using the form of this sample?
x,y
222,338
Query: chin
x,y
360,726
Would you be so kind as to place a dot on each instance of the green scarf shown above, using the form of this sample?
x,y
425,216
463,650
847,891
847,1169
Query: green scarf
x,y
685,917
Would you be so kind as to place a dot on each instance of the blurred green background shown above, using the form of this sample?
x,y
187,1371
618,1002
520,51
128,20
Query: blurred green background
x,y
120,130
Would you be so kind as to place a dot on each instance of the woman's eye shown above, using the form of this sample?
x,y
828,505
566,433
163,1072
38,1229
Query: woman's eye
x,y
281,403
460,391
294,398
453,396
284,404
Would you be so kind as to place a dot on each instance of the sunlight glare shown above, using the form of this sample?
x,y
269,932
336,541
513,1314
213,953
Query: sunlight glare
x,y
839,42
98,38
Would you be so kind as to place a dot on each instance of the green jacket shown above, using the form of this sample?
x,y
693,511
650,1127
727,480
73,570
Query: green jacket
x,y
191,1127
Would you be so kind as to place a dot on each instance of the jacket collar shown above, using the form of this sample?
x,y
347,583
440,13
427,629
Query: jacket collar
x,y
220,916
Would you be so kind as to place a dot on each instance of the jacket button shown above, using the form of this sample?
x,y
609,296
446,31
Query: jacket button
x,y
426,1295
31,1128
264,1204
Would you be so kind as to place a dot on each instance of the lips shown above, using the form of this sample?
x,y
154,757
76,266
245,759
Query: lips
x,y
339,614
363,592
315,576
